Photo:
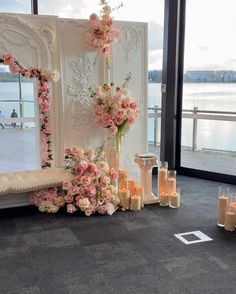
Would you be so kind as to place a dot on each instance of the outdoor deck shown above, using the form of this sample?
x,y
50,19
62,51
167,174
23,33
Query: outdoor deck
x,y
18,152
209,160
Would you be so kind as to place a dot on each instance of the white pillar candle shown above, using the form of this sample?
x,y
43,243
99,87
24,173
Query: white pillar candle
x,y
139,191
124,196
135,203
164,199
162,181
175,200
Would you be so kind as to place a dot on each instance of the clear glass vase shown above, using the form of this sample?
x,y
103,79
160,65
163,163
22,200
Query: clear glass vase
x,y
112,155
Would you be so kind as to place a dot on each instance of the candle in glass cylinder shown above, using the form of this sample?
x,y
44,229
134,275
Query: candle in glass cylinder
x,y
131,186
171,181
122,179
162,177
223,200
229,223
164,199
175,199
135,203
124,196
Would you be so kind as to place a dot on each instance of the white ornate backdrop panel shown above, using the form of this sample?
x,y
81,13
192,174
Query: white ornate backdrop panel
x,y
79,74
130,55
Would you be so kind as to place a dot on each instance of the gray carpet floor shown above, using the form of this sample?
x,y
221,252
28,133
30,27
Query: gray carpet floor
x,y
125,253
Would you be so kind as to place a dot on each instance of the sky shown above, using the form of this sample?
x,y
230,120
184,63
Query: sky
x,y
210,26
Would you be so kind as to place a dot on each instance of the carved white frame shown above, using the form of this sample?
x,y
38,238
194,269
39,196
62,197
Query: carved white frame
x,y
41,42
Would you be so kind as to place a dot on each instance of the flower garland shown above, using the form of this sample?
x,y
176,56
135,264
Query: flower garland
x,y
115,109
43,95
102,32
92,189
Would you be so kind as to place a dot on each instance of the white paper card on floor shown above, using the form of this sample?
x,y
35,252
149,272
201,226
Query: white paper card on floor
x,y
197,235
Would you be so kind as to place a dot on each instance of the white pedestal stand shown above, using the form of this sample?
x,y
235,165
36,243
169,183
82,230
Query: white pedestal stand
x,y
146,163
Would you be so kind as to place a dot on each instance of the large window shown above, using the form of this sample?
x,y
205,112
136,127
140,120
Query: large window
x,y
15,6
209,89
18,126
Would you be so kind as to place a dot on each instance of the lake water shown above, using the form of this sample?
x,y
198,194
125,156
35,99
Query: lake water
x,y
217,135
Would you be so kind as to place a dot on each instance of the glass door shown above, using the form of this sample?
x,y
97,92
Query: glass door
x,y
208,141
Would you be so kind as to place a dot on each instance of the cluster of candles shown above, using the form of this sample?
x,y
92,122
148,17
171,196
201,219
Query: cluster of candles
x,y
130,192
168,193
226,209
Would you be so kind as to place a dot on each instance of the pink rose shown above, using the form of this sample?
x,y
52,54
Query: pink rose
x,y
83,164
102,209
125,103
79,171
69,198
44,106
84,180
68,150
106,194
133,105
131,119
112,174
106,118
59,201
8,59
91,191
44,137
66,185
91,168
118,120
44,86
93,17
14,68
71,208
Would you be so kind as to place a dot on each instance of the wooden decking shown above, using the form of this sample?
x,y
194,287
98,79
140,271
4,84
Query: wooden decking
x,y
209,160
18,152
17,149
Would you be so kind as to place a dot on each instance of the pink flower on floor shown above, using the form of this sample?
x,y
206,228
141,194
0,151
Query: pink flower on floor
x,y
102,209
85,180
91,169
71,208
68,150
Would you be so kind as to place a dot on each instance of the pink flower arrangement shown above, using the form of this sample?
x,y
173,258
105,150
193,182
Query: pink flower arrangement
x,y
102,31
47,200
115,109
93,187
43,77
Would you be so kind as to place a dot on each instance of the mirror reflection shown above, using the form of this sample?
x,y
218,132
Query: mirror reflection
x,y
19,129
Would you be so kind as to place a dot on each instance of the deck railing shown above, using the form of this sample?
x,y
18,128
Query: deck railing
x,y
195,114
